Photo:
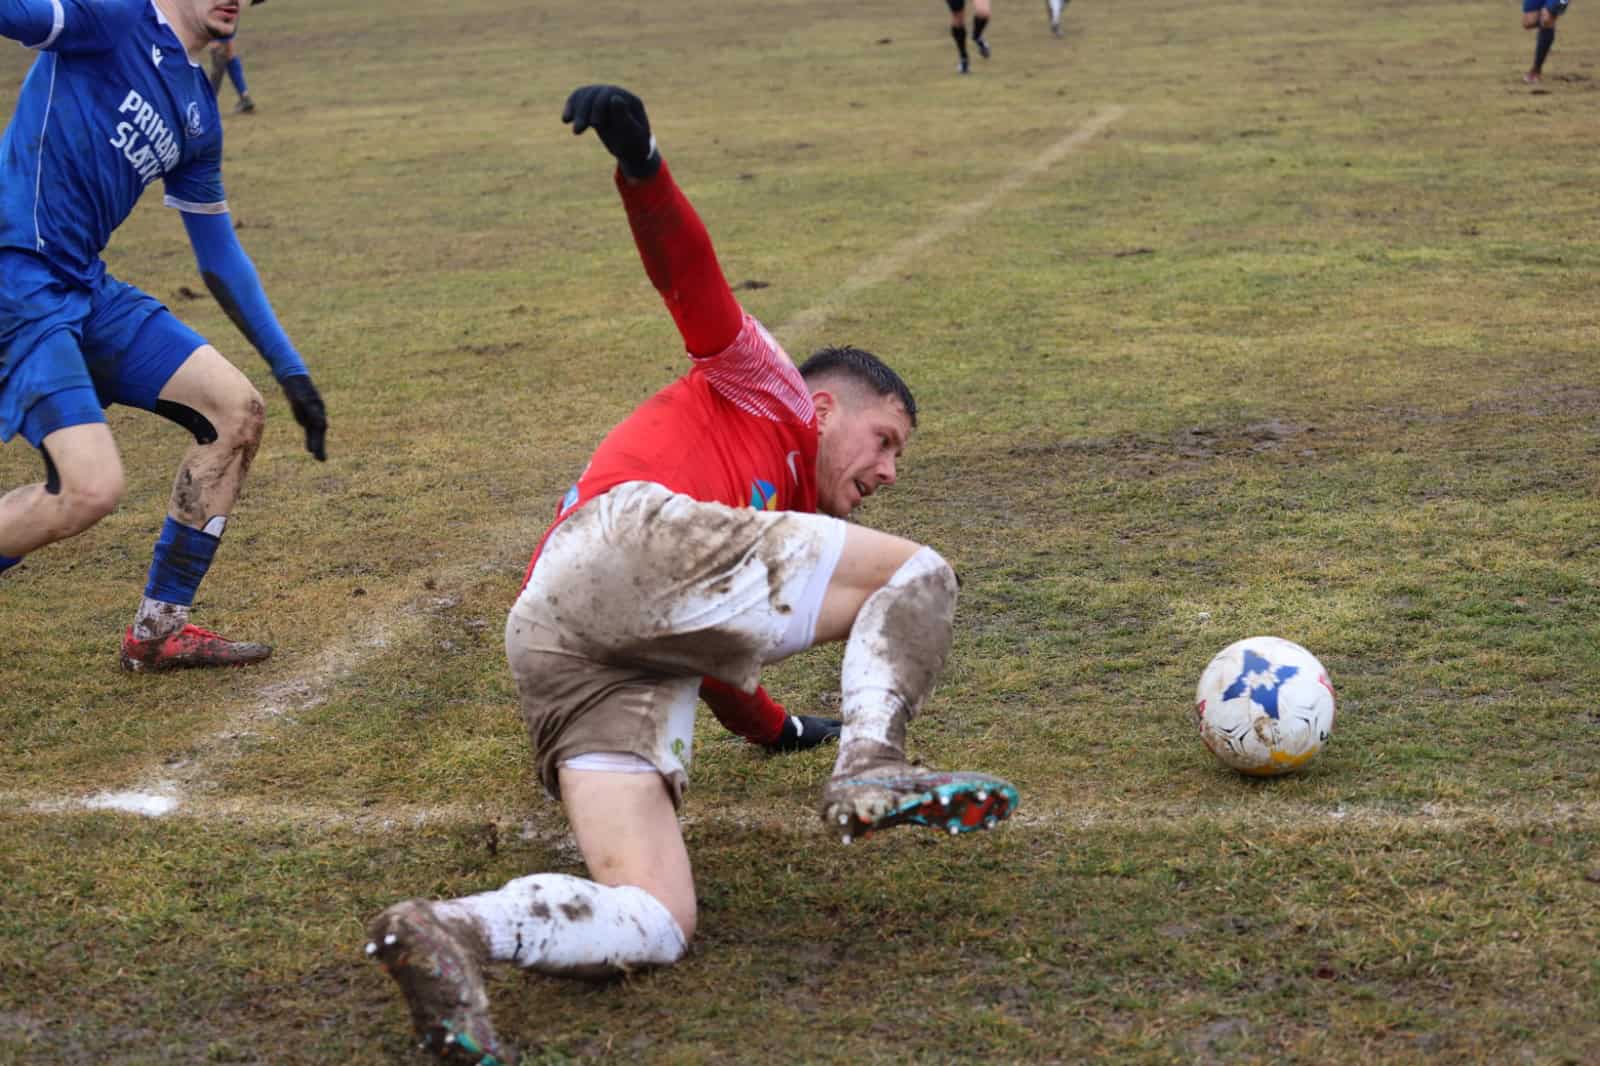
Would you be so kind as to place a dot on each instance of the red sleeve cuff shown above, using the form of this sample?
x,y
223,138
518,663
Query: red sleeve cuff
x,y
755,716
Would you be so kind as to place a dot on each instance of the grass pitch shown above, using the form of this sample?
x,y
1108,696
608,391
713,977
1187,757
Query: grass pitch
x,y
1224,320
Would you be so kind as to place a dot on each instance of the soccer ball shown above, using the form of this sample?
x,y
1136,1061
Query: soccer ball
x,y
1264,706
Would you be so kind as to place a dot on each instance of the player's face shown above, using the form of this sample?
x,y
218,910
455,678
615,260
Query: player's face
x,y
861,437
220,17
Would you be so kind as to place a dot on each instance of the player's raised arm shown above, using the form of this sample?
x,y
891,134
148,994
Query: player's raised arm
x,y
672,241
62,25
30,22
232,279
35,23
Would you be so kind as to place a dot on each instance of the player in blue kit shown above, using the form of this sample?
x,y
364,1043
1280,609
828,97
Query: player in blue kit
x,y
1541,15
117,99
225,60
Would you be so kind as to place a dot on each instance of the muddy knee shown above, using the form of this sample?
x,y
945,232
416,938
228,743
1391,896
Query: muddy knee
x,y
902,635
241,422
930,582
917,606
236,422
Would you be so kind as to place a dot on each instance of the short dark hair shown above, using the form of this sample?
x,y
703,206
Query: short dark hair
x,y
864,368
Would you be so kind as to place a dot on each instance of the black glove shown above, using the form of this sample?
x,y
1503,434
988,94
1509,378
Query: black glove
x,y
306,403
619,120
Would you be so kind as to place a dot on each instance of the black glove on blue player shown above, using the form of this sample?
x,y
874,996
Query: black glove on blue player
x,y
618,118
306,403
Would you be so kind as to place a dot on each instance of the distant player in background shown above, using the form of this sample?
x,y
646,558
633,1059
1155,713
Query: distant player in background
x,y
958,29
225,60
1055,8
117,99
704,539
1541,15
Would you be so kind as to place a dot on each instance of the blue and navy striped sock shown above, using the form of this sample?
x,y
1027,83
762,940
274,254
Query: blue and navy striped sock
x,y
181,559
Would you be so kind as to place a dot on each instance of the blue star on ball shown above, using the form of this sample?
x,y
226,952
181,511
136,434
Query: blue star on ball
x,y
1261,680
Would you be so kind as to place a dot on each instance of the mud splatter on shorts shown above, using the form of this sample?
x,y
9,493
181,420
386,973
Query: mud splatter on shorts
x,y
641,593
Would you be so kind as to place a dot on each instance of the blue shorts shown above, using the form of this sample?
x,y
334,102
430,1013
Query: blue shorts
x,y
1557,8
67,352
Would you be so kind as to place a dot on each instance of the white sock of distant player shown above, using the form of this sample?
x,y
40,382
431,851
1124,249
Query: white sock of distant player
x,y
1055,11
567,926
893,657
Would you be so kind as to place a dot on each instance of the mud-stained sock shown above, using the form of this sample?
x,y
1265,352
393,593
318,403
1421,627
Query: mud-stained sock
x,y
1541,46
960,34
567,926
158,618
7,562
893,657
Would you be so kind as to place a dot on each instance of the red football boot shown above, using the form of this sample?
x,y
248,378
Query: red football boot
x,y
189,646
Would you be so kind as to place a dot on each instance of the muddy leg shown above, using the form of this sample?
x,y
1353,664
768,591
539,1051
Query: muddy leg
x,y
896,650
894,655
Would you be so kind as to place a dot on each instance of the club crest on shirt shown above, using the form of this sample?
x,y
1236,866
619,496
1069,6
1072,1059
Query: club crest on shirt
x,y
763,495
569,501
192,124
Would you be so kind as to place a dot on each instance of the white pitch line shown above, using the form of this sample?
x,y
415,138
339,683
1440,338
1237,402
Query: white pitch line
x,y
167,786
542,819
951,220
164,788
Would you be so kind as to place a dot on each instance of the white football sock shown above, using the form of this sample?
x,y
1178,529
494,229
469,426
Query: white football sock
x,y
893,657
570,927
157,618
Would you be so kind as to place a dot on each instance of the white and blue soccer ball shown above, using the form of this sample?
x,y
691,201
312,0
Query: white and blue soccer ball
x,y
1264,706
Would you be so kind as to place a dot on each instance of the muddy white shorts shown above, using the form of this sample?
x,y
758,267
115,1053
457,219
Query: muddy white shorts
x,y
639,594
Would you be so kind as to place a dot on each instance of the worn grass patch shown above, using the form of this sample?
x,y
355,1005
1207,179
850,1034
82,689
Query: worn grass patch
x,y
1301,341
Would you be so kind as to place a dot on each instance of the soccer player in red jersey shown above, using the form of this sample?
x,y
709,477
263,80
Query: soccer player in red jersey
x,y
705,538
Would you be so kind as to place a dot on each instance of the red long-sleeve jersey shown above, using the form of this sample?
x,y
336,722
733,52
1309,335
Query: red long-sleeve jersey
x,y
739,428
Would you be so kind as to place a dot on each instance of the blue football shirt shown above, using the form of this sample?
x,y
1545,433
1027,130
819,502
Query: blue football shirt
x,y
111,104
